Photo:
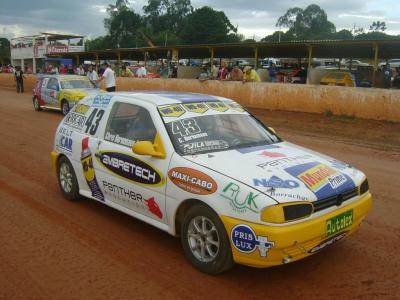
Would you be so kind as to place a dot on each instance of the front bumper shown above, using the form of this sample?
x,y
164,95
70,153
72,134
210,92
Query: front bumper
x,y
282,244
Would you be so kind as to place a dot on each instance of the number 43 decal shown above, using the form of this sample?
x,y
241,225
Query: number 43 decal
x,y
93,122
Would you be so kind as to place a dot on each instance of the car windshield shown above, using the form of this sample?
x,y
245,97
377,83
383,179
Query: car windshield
x,y
219,132
76,84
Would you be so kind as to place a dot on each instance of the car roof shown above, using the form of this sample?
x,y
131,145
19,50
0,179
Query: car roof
x,y
65,77
158,98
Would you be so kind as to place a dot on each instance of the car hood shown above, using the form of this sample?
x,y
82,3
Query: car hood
x,y
284,171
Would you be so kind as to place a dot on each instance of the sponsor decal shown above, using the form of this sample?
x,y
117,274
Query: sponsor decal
x,y
175,110
76,121
192,181
276,182
238,200
272,154
236,107
322,180
88,170
256,148
130,168
124,196
338,223
199,108
115,138
339,164
218,106
153,207
102,100
287,195
64,140
56,49
245,240
81,108
284,162
328,242
195,147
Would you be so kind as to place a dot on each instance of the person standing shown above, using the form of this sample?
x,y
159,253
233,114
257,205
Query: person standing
x,y
273,70
125,72
236,74
250,75
92,76
141,72
109,78
19,79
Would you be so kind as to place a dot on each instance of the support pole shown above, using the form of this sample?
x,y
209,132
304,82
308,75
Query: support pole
x,y
77,60
211,57
309,62
376,50
256,57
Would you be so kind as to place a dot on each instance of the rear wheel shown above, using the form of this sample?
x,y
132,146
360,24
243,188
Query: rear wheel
x,y
36,104
64,107
205,241
67,179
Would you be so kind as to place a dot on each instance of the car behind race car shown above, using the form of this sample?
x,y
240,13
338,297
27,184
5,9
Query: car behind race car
x,y
202,168
61,92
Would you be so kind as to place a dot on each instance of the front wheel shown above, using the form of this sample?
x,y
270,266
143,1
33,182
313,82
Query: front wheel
x,y
205,241
67,179
64,107
36,104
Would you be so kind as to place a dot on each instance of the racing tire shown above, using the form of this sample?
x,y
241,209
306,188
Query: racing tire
x,y
64,107
36,104
67,179
205,241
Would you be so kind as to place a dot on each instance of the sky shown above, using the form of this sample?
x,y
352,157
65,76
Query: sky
x,y
255,18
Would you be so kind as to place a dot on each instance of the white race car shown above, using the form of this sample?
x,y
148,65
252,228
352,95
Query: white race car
x,y
202,168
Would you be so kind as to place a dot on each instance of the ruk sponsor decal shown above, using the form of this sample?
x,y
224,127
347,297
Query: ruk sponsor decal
x,y
245,240
328,242
192,181
276,182
322,180
102,101
239,201
130,168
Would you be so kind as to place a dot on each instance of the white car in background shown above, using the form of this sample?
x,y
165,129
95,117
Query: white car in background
x,y
202,168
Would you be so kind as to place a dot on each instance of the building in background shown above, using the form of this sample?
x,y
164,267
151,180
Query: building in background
x,y
30,52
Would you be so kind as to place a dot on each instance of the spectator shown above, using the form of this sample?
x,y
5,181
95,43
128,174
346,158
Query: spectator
x,y
125,72
80,70
109,77
63,70
92,76
163,70
141,72
70,70
19,78
236,74
250,75
39,74
223,72
387,76
214,71
174,73
273,70
205,74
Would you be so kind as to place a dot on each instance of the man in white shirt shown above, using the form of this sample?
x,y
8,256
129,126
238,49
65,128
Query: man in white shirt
x,y
92,76
109,77
141,72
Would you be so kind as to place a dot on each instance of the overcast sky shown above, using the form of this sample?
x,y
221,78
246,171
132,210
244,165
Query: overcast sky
x,y
254,18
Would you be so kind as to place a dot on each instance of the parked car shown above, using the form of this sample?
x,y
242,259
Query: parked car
x,y
394,63
268,61
354,63
338,78
202,168
61,92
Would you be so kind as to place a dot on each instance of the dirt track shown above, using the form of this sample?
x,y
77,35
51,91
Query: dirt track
x,y
54,249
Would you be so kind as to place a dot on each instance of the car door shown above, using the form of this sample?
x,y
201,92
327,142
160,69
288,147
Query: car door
x,y
131,181
51,92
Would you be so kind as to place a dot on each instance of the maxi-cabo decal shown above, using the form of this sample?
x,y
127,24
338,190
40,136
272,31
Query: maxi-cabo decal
x,y
130,168
321,179
192,181
245,240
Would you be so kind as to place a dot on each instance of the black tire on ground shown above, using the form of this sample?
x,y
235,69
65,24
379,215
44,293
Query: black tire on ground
x,y
67,179
206,245
36,104
64,107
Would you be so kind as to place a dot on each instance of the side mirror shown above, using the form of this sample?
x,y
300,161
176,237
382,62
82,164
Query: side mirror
x,y
273,130
146,148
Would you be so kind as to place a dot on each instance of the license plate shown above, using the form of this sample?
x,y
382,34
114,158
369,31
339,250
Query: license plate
x,y
338,223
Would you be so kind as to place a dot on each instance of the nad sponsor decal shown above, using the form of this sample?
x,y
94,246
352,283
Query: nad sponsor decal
x,y
192,181
239,201
88,170
236,107
130,168
102,100
245,240
328,242
256,148
75,120
218,106
276,182
322,180
175,110
199,108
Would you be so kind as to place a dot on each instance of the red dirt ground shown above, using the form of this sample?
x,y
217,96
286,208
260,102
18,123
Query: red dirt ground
x,y
54,249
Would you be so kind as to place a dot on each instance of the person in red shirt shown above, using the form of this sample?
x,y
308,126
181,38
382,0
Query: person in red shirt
x,y
63,70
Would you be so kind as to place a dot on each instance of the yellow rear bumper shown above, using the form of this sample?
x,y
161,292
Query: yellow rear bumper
x,y
292,242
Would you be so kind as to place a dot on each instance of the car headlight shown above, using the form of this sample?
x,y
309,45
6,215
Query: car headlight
x,y
364,187
286,212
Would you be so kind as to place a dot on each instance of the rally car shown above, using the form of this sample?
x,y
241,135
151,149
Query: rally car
x,y
202,168
61,92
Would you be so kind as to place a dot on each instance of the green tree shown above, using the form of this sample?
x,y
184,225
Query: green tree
x,y
309,23
5,48
378,26
343,34
207,26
